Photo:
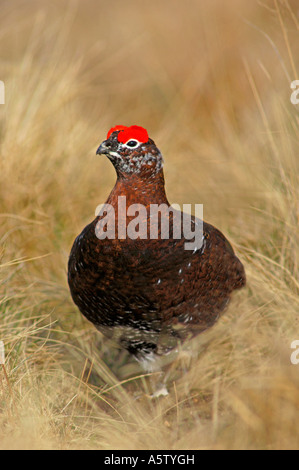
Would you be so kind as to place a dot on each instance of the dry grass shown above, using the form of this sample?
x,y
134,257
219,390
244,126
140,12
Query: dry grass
x,y
211,82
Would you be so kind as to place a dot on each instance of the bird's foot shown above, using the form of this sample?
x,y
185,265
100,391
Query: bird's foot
x,y
161,391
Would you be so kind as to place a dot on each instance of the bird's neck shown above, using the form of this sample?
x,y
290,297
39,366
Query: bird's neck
x,y
139,190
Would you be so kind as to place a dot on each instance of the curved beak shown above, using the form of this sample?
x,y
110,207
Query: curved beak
x,y
103,149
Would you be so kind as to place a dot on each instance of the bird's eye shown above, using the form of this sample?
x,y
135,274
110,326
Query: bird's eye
x,y
132,143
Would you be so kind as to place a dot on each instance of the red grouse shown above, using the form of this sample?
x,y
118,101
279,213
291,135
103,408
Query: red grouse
x,y
142,286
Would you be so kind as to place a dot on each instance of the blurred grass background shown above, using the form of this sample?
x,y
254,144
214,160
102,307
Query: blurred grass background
x,y
211,83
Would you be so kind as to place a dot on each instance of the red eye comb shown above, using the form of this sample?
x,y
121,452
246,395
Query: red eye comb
x,y
116,128
127,133
133,132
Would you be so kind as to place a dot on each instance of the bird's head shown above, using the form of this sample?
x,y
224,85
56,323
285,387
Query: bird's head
x,y
131,151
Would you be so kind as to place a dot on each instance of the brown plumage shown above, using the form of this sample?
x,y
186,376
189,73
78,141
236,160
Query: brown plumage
x,y
148,294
